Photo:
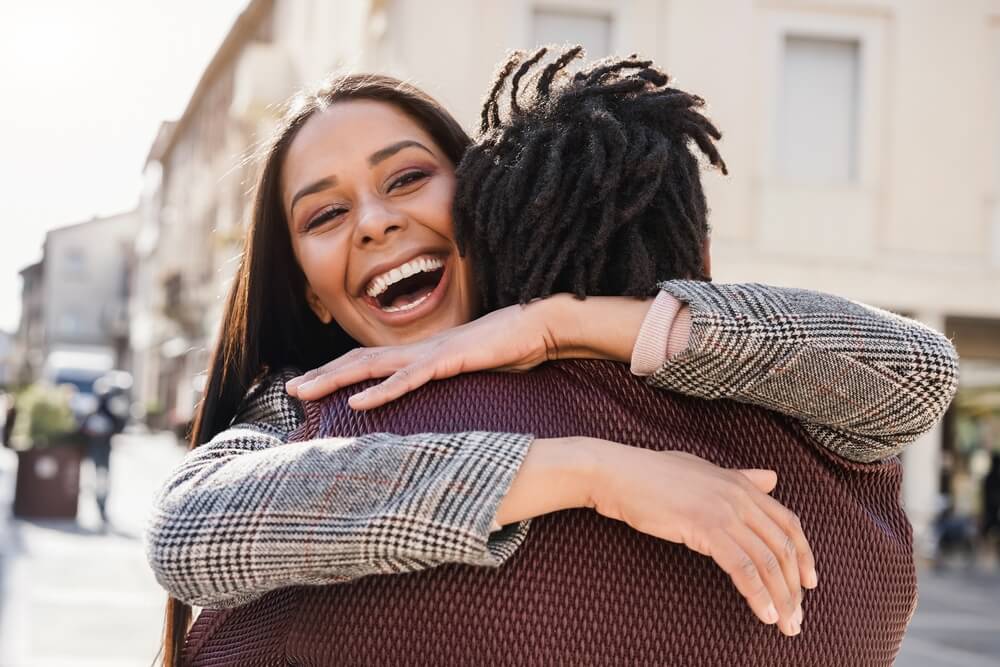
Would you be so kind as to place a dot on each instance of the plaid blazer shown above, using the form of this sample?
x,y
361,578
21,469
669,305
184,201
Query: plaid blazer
x,y
227,524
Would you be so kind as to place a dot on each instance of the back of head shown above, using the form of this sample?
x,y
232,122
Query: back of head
x,y
584,181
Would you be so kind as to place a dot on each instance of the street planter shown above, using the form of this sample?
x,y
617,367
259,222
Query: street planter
x,y
49,449
48,482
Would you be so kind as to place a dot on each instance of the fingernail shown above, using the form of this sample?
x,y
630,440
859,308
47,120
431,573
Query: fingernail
x,y
813,579
771,614
796,628
307,385
797,617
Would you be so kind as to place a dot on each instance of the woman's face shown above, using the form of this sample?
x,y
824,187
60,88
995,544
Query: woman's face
x,y
368,198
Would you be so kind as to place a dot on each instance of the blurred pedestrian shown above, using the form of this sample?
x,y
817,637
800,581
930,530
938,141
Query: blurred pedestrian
x,y
107,420
991,500
8,409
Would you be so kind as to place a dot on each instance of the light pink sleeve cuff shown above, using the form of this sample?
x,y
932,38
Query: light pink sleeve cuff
x,y
663,334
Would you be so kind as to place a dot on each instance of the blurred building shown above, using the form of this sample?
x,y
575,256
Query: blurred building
x,y
30,336
75,300
85,283
6,359
862,136
197,179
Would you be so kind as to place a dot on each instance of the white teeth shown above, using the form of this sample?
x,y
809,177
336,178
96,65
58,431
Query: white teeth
x,y
409,306
382,282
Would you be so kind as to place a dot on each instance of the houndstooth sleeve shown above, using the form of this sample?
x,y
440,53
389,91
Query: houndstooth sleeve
x,y
249,512
865,382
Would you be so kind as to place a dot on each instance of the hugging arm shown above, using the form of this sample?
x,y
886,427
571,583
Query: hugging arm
x,y
863,381
249,512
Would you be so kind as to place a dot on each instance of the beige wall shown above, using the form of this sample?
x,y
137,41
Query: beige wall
x,y
914,233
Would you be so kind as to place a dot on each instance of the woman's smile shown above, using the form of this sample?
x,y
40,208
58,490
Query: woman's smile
x,y
406,291
368,197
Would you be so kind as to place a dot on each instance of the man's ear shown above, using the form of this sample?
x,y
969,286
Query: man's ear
x,y
706,257
317,306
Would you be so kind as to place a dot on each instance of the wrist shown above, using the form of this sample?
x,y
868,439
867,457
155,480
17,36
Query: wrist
x,y
559,323
572,464
592,464
556,474
593,328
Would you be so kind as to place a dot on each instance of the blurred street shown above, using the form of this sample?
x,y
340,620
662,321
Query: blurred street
x,y
957,621
71,594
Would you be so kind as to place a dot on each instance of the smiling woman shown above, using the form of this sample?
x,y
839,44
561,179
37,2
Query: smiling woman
x,y
369,197
352,244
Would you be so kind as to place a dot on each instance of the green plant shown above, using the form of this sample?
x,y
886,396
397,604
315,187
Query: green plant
x,y
43,417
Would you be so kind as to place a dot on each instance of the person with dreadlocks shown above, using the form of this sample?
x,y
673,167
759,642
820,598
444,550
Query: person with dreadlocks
x,y
592,189
352,244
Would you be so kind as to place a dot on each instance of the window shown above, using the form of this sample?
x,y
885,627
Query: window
x,y
69,324
592,31
818,111
75,262
995,240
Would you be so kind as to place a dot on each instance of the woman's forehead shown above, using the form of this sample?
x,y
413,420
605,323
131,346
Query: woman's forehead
x,y
349,131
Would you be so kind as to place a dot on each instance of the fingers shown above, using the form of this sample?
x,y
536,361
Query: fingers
x,y
355,366
787,521
765,480
769,569
780,557
790,525
401,382
744,572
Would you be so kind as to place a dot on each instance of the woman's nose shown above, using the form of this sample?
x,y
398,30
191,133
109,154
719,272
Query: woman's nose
x,y
376,222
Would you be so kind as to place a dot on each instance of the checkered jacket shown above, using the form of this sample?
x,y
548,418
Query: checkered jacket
x,y
249,512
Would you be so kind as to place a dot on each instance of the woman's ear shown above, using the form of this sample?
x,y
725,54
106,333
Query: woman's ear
x,y
317,306
706,257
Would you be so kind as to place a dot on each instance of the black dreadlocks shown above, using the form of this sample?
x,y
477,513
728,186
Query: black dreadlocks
x,y
589,185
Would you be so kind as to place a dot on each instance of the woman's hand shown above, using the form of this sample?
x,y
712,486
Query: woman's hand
x,y
515,338
724,514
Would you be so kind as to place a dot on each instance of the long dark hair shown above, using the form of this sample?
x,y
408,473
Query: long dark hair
x,y
267,324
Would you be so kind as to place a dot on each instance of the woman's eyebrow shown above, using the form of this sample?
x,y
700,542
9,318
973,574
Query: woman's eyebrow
x,y
375,158
389,151
313,188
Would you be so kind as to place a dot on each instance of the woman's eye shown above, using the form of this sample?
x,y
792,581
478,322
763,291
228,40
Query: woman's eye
x,y
328,214
407,178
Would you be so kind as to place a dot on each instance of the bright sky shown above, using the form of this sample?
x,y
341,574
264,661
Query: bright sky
x,y
84,88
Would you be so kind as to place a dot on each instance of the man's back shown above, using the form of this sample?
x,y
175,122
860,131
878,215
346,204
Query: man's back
x,y
584,589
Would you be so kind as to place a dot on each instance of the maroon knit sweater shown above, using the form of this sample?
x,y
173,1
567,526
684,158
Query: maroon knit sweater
x,y
583,589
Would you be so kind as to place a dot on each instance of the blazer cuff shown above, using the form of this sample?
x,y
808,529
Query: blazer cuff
x,y
656,332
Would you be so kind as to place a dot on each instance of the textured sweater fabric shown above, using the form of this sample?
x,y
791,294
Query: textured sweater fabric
x,y
586,590
250,512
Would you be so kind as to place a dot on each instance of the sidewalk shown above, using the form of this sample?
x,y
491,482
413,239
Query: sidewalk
x,y
8,468
71,594
957,620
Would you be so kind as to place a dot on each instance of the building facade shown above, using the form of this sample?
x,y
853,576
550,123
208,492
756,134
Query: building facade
x,y
86,271
862,137
7,358
29,340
